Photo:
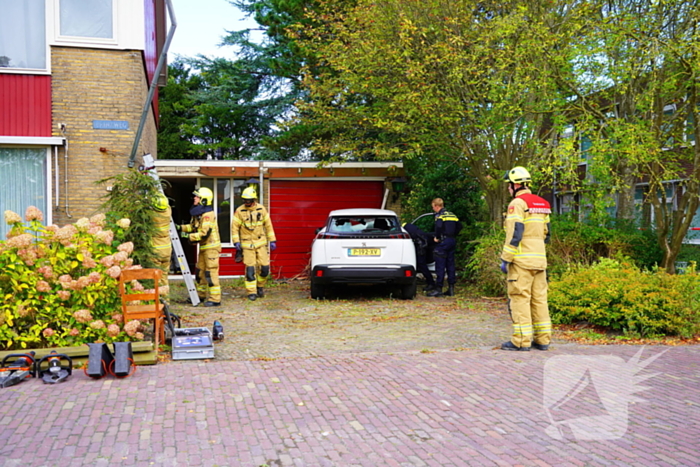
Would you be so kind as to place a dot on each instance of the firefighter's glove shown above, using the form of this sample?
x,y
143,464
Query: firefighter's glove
x,y
237,246
504,267
178,227
273,246
184,235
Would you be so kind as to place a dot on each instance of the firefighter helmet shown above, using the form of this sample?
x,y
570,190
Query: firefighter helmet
x,y
160,203
249,193
206,197
518,175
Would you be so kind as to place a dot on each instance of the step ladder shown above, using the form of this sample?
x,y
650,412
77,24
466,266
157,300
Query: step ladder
x,y
150,169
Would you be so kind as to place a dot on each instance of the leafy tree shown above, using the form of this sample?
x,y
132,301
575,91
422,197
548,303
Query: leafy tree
x,y
637,104
464,79
176,105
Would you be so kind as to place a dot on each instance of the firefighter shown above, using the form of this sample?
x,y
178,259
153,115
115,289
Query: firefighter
x,y
524,260
447,227
251,231
204,231
162,246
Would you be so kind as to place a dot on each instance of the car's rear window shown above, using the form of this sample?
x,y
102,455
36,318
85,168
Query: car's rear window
x,y
363,225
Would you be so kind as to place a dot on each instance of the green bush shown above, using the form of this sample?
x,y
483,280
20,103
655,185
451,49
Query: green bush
x,y
572,243
483,268
58,286
617,295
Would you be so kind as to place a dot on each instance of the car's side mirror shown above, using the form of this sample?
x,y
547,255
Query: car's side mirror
x,y
318,230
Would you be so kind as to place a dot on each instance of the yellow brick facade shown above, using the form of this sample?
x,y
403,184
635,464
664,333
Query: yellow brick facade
x,y
88,85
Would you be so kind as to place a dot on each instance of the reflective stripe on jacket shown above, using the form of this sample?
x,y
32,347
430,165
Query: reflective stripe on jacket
x,y
527,228
205,231
252,227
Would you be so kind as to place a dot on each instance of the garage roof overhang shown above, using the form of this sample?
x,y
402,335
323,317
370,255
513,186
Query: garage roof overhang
x,y
279,170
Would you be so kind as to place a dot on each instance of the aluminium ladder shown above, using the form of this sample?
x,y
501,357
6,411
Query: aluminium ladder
x,y
149,167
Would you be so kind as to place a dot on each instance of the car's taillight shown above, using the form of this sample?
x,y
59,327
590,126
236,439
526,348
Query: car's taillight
x,y
400,235
408,273
319,273
327,235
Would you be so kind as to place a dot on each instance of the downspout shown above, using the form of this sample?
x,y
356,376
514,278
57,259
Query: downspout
x,y
152,88
65,159
262,186
57,189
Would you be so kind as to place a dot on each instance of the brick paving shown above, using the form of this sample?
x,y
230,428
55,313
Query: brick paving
x,y
416,403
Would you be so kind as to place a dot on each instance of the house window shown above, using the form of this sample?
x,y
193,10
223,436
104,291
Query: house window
x,y
227,197
23,182
23,34
87,18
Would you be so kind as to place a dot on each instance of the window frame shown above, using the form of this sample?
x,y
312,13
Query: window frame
x,y
46,70
59,39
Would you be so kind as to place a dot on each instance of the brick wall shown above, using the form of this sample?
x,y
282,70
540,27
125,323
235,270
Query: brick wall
x,y
88,85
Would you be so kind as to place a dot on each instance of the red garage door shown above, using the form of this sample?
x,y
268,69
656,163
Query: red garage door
x,y
298,208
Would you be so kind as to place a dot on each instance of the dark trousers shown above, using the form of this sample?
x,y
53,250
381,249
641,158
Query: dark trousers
x,y
445,261
422,267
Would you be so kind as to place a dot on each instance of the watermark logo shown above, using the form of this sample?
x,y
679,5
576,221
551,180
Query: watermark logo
x,y
588,397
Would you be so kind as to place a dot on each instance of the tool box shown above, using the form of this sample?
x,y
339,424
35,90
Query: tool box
x,y
192,344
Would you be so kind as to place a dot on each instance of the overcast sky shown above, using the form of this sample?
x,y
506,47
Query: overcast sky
x,y
201,25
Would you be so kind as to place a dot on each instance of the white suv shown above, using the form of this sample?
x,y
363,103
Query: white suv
x,y
363,246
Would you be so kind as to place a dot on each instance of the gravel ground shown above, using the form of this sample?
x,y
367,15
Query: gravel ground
x,y
288,323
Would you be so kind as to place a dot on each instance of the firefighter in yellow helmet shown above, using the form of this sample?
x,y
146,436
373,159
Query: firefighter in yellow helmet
x,y
162,246
524,260
251,231
204,231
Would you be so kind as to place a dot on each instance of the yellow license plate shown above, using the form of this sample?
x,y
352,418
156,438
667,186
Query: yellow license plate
x,y
365,252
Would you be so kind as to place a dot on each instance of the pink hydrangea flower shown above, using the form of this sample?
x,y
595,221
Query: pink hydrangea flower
x,y
48,332
63,294
33,213
114,272
132,327
105,237
124,223
74,332
98,324
127,247
20,241
94,277
43,286
12,217
65,234
113,330
82,316
98,219
46,271
139,336
118,318
107,261
82,224
137,286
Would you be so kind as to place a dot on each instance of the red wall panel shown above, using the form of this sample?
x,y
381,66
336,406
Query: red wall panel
x,y
25,105
298,208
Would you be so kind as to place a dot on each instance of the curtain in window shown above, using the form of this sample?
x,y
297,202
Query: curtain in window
x,y
22,182
86,18
23,34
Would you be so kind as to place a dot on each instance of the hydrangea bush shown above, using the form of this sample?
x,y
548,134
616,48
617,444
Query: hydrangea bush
x,y
59,285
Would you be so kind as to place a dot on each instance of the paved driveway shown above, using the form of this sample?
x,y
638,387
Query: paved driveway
x,y
439,396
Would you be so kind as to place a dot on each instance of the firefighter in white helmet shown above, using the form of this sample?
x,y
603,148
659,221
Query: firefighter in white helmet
x,y
162,246
251,231
204,230
524,260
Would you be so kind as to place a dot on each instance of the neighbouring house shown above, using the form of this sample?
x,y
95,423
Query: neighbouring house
x,y
74,77
298,195
565,200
